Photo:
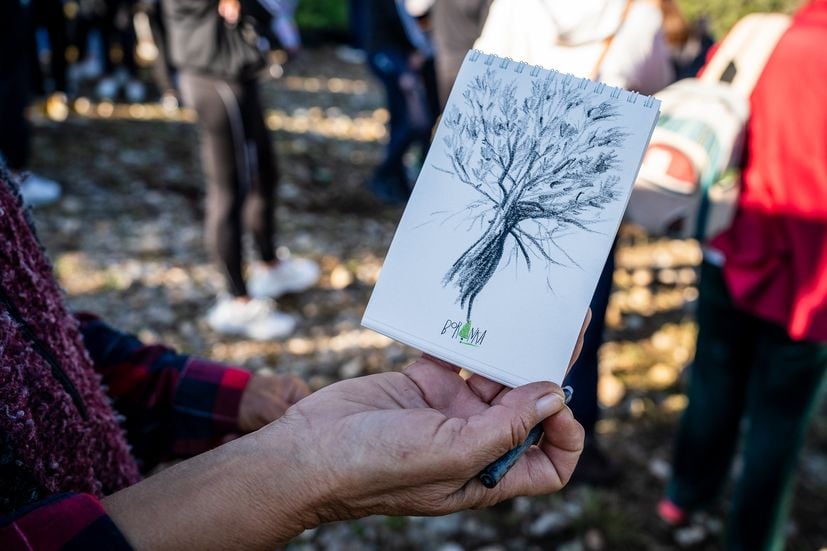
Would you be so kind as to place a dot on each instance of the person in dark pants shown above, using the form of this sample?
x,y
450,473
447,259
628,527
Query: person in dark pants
x,y
397,54
762,308
354,50
594,466
163,73
218,68
16,37
49,15
744,367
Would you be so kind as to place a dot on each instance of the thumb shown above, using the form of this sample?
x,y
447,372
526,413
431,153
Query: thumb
x,y
507,423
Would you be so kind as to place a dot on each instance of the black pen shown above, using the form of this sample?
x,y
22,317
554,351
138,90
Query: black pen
x,y
493,473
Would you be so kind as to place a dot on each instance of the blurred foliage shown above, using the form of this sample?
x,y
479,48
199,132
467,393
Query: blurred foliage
x,y
722,14
322,14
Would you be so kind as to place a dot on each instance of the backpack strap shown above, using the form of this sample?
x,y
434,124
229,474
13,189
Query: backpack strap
x,y
607,42
741,56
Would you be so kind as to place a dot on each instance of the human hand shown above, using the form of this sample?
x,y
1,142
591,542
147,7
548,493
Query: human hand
x,y
413,442
267,397
229,10
394,443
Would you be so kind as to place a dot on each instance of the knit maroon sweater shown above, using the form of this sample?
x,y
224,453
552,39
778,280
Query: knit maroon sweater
x,y
53,413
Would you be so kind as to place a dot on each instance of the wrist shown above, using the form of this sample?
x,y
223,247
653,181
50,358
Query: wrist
x,y
284,476
246,494
313,482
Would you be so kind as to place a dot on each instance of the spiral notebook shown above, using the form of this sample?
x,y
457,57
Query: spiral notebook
x,y
511,220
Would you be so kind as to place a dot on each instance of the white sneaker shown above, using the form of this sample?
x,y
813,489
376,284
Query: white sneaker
x,y
352,55
169,101
255,319
38,191
291,275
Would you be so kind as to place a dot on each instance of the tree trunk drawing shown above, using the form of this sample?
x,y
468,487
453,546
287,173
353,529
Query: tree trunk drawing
x,y
540,164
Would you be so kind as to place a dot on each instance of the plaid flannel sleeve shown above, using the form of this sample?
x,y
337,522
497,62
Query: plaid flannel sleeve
x,y
173,405
66,521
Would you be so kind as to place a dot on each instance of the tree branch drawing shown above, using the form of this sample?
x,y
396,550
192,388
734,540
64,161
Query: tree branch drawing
x,y
540,165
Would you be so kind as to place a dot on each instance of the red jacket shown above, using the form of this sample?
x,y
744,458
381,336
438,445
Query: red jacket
x,y
776,250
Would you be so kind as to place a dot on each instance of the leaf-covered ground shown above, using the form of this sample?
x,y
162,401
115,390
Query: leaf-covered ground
x,y
126,242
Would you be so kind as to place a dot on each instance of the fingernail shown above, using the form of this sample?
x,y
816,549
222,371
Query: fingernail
x,y
549,405
569,392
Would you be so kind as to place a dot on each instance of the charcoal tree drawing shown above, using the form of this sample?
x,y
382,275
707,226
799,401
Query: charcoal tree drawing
x,y
542,165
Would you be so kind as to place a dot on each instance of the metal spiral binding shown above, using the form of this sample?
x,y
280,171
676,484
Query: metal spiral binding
x,y
599,88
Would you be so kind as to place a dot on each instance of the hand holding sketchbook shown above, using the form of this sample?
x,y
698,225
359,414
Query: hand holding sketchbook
x,y
500,247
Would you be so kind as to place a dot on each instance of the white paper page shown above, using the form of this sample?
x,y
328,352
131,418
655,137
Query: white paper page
x,y
511,220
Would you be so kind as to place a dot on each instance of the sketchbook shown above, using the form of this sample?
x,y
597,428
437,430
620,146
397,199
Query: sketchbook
x,y
511,220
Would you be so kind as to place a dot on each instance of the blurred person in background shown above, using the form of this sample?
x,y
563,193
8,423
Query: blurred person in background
x,y
689,43
398,52
152,49
457,25
113,20
16,64
620,43
391,443
422,12
354,50
215,47
762,310
49,15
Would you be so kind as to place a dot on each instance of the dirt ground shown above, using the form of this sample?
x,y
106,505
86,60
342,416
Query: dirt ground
x,y
126,242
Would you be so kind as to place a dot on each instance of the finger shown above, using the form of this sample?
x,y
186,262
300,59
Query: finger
x,y
563,442
443,363
543,469
297,389
486,389
440,385
505,425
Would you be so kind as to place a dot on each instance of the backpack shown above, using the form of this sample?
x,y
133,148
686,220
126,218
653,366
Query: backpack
x,y
689,180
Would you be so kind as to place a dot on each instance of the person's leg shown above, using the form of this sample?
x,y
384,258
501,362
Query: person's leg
x,y
782,397
259,204
222,155
16,37
106,27
357,17
50,15
162,69
390,174
583,375
709,428
271,277
126,35
15,135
